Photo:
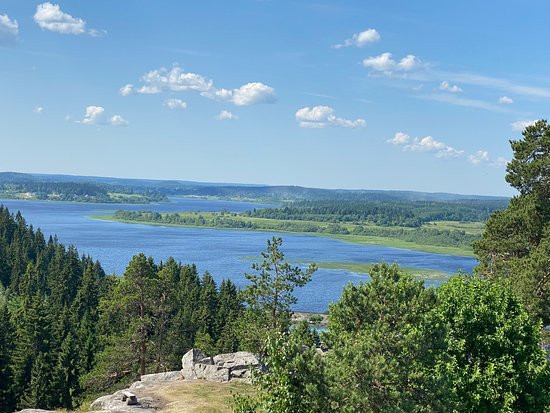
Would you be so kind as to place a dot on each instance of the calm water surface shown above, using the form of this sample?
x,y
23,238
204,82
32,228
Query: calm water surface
x,y
224,253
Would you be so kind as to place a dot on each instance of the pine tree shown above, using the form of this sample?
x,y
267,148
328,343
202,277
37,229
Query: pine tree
x,y
7,334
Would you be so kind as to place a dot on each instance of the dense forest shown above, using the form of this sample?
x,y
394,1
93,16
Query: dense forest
x,y
267,193
23,186
68,330
333,225
384,213
476,344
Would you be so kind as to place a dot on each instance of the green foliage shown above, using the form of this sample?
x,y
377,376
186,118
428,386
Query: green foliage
x,y
382,346
514,247
68,331
492,359
269,295
295,379
282,219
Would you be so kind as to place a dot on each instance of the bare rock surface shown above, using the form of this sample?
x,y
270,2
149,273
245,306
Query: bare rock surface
x,y
221,368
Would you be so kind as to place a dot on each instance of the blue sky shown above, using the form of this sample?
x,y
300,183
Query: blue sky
x,y
373,95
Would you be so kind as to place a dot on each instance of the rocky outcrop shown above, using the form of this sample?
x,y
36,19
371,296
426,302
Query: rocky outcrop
x,y
221,368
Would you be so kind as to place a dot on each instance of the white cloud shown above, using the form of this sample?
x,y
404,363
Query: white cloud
x,y
478,157
360,39
95,115
118,120
322,116
175,104
520,125
385,63
177,80
50,17
400,138
445,85
442,150
126,90
226,115
426,144
38,109
253,93
505,100
9,30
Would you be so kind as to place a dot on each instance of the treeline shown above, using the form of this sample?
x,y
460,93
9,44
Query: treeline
x,y
67,330
422,236
77,192
384,213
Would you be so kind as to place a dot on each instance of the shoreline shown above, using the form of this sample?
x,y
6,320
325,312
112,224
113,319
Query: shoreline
x,y
353,239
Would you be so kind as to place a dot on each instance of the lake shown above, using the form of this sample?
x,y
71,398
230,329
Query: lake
x,y
224,253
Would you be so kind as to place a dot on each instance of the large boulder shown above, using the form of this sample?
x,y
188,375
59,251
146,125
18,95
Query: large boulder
x,y
162,377
220,368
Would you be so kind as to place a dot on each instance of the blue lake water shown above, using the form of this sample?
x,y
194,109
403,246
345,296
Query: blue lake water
x,y
224,253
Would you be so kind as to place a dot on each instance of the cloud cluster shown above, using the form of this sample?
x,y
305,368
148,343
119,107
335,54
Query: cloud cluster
x,y
505,100
426,144
478,157
360,39
322,116
442,150
177,80
50,17
95,115
9,31
175,104
446,86
385,63
226,115
38,110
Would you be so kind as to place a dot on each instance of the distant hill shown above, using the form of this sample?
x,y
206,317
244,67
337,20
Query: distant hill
x,y
243,191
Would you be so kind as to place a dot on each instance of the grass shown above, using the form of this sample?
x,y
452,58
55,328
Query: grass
x,y
199,396
274,225
364,268
475,228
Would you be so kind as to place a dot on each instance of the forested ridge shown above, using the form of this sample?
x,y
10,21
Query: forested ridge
x,y
384,213
25,186
475,344
68,330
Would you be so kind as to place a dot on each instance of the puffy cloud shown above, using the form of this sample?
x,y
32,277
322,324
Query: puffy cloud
x,y
360,39
226,115
177,80
253,93
38,109
322,116
442,150
478,157
400,138
520,125
426,144
175,104
449,88
95,115
385,63
50,17
248,94
126,90
505,100
9,30
118,120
